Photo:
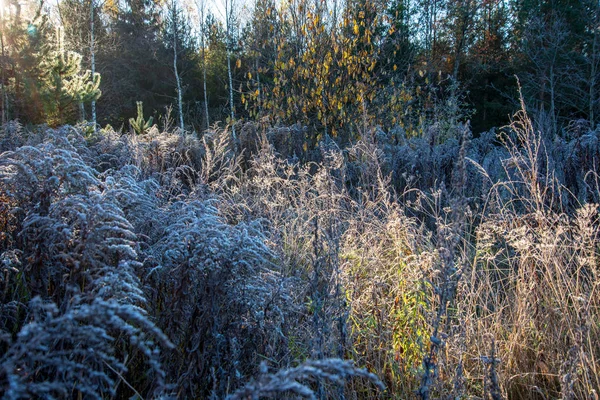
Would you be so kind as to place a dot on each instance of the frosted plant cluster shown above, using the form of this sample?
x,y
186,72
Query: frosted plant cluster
x,y
166,266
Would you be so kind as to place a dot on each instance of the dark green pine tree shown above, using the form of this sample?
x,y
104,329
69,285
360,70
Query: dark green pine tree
x,y
137,68
63,85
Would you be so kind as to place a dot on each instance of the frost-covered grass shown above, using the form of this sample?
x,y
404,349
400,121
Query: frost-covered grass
x,y
163,265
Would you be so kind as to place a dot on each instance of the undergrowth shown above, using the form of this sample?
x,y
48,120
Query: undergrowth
x,y
166,266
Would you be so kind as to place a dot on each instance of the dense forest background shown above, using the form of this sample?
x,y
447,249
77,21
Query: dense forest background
x,y
331,66
300,199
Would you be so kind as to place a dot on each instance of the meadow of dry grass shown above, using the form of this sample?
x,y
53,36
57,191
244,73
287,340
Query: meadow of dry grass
x,y
167,266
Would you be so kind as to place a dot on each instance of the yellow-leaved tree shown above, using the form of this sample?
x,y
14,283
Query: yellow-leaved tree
x,y
326,72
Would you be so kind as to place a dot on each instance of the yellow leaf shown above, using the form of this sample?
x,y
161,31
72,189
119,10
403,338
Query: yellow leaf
x,y
238,63
356,31
395,67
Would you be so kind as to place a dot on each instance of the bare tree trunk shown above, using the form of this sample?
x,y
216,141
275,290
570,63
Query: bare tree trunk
x,y
434,27
594,67
200,4
229,22
204,84
430,22
552,102
93,57
232,112
257,55
179,99
4,94
175,31
256,67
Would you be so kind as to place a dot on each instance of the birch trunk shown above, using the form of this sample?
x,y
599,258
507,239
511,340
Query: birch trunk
x,y
179,100
232,112
200,6
228,21
204,84
256,67
93,57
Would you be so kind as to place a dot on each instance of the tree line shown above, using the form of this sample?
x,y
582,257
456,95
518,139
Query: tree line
x,y
336,67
